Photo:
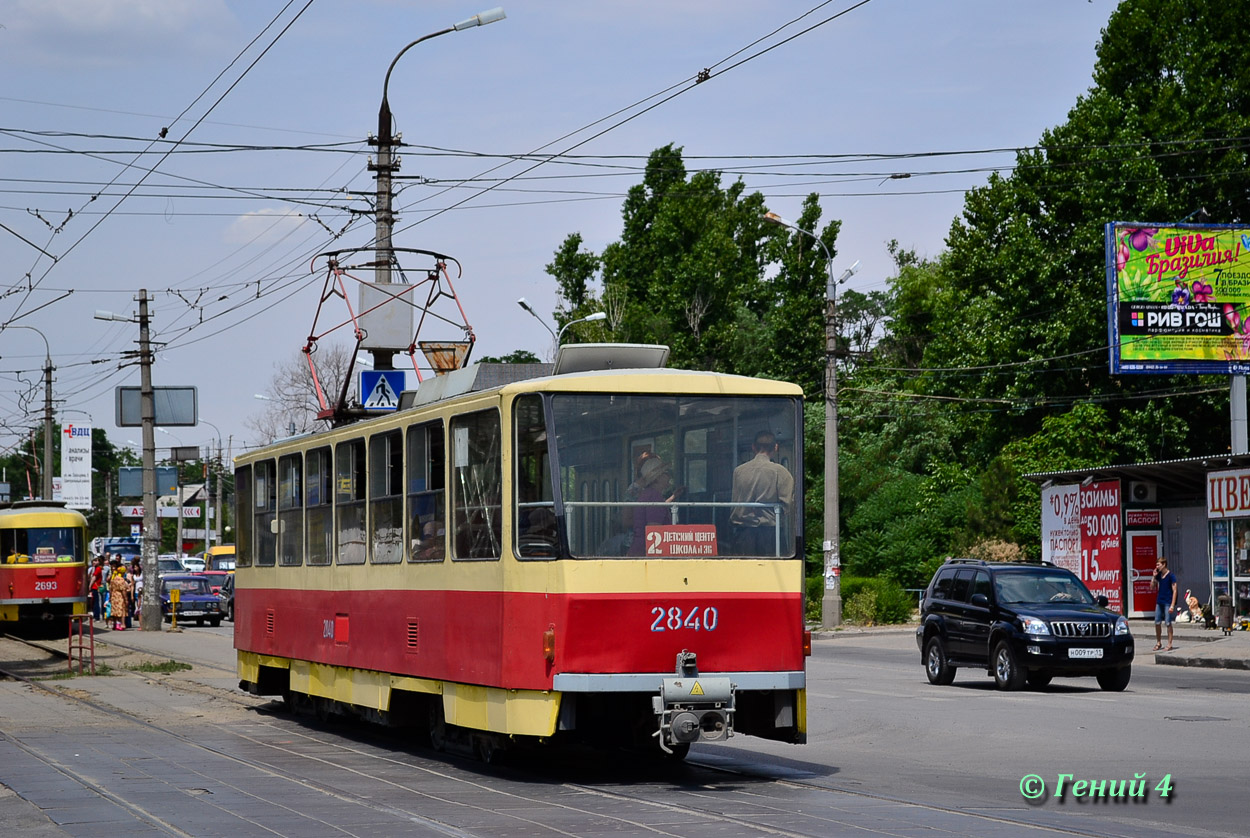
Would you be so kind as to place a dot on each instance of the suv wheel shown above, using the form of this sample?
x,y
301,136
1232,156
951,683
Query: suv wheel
x,y
1038,680
1115,680
936,666
1008,674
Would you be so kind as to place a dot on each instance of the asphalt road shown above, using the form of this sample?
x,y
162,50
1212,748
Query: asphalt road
x,y
878,727
888,754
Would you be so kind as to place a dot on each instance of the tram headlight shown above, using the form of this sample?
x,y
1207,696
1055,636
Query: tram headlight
x,y
549,644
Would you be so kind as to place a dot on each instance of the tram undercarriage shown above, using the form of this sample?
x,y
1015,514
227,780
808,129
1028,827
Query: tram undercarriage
x,y
483,722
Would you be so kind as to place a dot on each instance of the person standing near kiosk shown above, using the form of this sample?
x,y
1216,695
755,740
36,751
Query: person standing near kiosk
x,y
1164,585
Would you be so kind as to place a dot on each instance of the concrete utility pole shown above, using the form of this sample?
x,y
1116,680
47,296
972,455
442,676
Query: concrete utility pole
x,y
150,616
46,487
388,163
831,603
47,427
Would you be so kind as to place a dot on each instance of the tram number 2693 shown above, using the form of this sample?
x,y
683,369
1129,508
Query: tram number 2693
x,y
675,618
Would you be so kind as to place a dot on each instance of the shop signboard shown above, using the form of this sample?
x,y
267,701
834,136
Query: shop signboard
x,y
1228,493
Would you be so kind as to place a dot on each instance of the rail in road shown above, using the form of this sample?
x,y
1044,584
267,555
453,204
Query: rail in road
x,y
149,754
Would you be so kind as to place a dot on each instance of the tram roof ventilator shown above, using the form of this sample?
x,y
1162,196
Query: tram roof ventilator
x,y
572,358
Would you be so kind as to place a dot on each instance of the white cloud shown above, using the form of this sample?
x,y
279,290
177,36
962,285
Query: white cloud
x,y
263,227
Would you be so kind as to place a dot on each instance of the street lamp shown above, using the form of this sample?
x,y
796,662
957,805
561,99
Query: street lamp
x,y
525,304
590,318
47,412
831,606
217,518
384,221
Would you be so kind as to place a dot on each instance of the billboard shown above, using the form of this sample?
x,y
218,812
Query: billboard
x,y
76,466
1081,532
1178,298
171,406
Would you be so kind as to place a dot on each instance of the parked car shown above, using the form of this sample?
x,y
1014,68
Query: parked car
x,y
169,563
196,600
227,596
1020,623
215,578
219,557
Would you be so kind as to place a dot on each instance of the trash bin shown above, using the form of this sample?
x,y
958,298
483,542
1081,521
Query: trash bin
x,y
1224,613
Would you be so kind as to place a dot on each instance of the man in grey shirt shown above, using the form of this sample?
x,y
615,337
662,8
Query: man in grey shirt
x,y
760,480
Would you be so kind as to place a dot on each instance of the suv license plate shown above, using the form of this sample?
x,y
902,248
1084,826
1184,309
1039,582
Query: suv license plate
x,y
1085,653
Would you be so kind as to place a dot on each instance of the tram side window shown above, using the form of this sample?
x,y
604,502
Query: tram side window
x,y
319,509
290,510
349,500
243,516
386,498
534,512
427,498
477,485
264,507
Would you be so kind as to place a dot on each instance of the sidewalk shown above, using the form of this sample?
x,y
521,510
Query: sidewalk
x,y
1195,646
1192,646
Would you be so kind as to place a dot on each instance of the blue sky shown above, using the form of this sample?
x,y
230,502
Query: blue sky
x,y
222,238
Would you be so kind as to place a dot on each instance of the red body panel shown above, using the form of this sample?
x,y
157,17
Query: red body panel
x,y
496,639
39,581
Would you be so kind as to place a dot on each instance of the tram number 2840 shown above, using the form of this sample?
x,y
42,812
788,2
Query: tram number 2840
x,y
675,619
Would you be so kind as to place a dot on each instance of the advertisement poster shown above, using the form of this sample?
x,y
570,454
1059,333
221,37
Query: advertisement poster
x,y
1178,298
1219,549
76,466
1061,527
1102,551
1144,549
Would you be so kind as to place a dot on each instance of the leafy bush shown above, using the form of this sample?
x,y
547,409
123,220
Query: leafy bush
x,y
876,601
814,594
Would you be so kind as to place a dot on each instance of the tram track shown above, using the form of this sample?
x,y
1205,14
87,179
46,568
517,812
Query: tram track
x,y
357,767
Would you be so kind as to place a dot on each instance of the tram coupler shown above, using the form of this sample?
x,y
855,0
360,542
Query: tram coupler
x,y
691,708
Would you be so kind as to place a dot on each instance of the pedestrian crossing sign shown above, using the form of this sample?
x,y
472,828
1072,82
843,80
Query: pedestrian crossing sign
x,y
380,389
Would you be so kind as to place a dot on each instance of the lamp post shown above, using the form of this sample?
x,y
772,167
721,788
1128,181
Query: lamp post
x,y
208,530
47,412
387,164
525,304
590,318
831,605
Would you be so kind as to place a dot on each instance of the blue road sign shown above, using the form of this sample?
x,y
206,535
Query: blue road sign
x,y
380,389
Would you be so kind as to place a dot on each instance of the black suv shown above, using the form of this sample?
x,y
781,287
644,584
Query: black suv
x,y
1020,622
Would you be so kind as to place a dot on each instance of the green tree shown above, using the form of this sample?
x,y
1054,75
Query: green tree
x,y
994,354
698,269
516,356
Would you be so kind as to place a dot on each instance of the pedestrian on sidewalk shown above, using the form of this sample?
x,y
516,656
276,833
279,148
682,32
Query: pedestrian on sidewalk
x,y
119,585
137,604
1163,583
97,583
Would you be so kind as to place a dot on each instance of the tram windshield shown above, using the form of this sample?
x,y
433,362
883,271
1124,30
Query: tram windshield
x,y
659,476
41,545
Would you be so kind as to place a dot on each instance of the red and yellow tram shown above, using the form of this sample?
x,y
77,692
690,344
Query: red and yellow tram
x,y
508,557
43,569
